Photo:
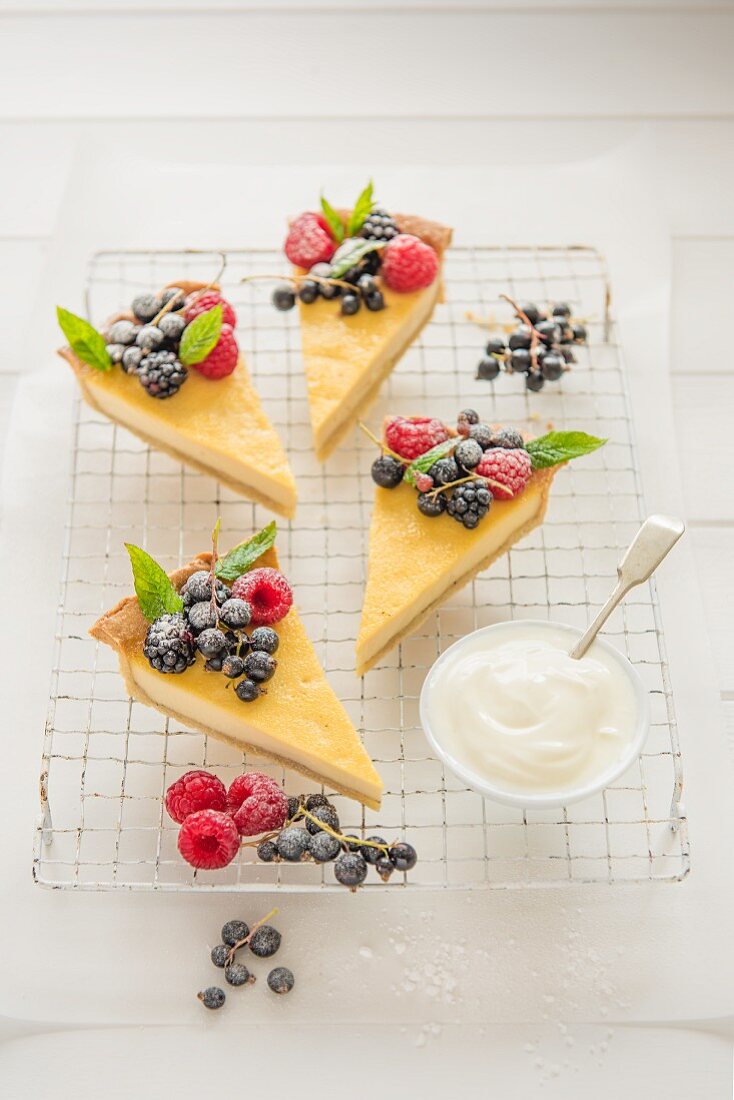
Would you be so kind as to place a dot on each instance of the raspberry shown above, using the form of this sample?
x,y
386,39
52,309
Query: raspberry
x,y
208,840
408,263
508,471
222,360
197,790
410,436
309,241
258,804
268,593
197,303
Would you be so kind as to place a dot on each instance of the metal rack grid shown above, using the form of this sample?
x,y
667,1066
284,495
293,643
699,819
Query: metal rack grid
x,y
107,760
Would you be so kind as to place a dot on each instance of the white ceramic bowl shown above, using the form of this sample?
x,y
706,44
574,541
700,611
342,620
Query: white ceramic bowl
x,y
532,799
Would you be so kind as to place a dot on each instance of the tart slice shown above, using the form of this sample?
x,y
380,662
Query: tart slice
x,y
447,505
367,283
183,348
240,668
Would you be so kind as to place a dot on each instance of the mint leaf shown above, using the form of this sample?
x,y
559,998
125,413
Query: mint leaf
x,y
362,207
156,595
423,463
555,447
200,336
335,223
350,253
243,557
84,340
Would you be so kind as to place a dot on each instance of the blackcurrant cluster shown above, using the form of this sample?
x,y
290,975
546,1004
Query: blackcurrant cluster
x,y
363,287
540,347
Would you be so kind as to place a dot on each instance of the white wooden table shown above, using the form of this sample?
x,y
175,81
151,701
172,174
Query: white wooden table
x,y
417,83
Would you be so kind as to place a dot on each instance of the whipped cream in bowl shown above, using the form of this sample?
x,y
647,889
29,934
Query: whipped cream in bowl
x,y
520,721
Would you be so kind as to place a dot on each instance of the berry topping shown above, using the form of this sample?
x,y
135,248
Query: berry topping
x,y
444,471
267,851
197,303
350,869
161,374
233,666
424,483
268,593
403,856
468,454
488,368
372,854
265,941
508,470
220,954
411,436
208,840
506,437
247,691
309,241
281,980
145,307
194,791
324,847
222,359
350,304
115,352
325,814
169,644
172,326
264,638
213,997
432,504
258,804
470,503
198,587
379,226
131,359
234,931
238,974
259,666
408,263
235,613
293,844
482,433
387,472
150,338
211,642
201,615
283,297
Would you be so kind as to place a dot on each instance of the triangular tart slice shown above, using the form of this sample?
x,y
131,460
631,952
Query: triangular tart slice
x,y
217,427
346,359
299,722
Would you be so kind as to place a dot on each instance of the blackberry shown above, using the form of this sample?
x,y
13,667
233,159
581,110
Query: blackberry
x,y
234,931
172,326
308,291
161,374
350,304
265,941
325,814
315,800
552,367
284,297
292,844
371,855
220,954
431,505
198,588
235,613
482,433
115,352
488,368
281,980
238,974
122,332
350,869
470,503
247,691
468,454
443,471
260,666
375,302
535,382
150,338
131,359
387,472
379,226
169,644
145,307
267,851
233,666
403,856
213,997
520,338
507,437
264,638
324,847
211,642
201,615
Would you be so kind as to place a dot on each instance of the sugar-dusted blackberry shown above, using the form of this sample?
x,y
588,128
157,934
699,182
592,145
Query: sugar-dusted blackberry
x,y
488,368
292,844
247,691
509,438
444,471
482,433
259,666
470,503
169,644
122,332
350,869
201,616
431,504
372,854
535,381
150,338
235,613
324,847
387,472
264,638
327,815
145,307
132,358
161,374
233,666
172,326
115,352
379,226
211,642
468,454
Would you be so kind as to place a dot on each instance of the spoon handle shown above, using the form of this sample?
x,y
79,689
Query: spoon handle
x,y
655,539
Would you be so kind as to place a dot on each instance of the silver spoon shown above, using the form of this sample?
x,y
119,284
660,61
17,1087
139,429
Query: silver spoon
x,y
657,536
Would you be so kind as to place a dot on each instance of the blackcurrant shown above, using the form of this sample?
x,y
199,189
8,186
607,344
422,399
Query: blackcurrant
x,y
488,368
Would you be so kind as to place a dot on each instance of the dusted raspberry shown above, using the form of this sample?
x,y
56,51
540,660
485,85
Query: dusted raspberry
x,y
410,436
208,840
222,359
196,790
508,468
258,804
268,593
408,263
197,303
309,241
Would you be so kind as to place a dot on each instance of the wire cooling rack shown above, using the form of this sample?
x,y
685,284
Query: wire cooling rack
x,y
108,760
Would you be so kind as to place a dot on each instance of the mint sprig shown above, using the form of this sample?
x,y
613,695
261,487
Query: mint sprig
x,y
84,340
362,207
153,587
423,463
243,557
556,447
350,253
200,336
335,223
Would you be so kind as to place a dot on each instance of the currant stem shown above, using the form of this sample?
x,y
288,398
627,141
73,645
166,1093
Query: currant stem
x,y
299,279
303,812
197,294
243,942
